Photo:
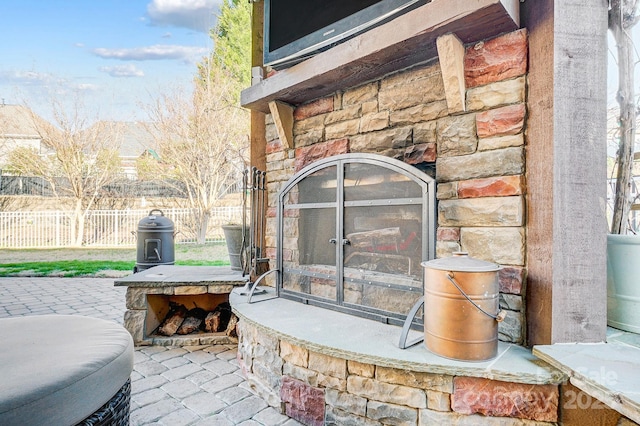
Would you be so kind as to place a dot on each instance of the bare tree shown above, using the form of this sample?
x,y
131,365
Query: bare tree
x,y
202,141
81,158
623,16
4,130
11,203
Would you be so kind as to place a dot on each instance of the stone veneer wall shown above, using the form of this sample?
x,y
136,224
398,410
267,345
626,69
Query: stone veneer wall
x,y
478,153
318,389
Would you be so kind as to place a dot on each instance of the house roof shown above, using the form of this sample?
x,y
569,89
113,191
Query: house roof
x,y
135,139
132,137
17,121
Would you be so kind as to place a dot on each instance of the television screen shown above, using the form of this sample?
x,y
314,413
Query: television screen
x,y
296,29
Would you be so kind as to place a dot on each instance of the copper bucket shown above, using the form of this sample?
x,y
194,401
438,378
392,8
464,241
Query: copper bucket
x,y
461,307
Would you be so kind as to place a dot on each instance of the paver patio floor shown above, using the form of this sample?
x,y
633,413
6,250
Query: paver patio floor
x,y
199,385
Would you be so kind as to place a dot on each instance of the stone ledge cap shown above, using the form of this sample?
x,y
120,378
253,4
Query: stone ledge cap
x,y
176,276
358,339
608,372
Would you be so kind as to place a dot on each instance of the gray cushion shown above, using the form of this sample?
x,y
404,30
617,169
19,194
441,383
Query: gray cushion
x,y
59,369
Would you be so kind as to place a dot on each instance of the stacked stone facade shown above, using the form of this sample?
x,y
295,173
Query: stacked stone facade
x,y
476,152
318,389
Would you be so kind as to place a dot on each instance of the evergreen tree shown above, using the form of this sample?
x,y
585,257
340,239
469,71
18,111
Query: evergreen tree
x,y
232,41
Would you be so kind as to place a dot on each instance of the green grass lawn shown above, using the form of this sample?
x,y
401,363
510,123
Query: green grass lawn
x,y
98,262
79,268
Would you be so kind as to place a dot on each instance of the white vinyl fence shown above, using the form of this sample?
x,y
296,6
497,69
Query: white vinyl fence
x,y
103,228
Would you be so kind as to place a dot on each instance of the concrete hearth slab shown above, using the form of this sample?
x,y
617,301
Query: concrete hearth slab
x,y
176,275
345,336
606,371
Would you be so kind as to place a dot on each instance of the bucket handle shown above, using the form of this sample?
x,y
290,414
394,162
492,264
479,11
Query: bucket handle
x,y
499,317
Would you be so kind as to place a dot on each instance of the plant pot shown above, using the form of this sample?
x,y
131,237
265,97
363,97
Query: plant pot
x,y
623,282
233,237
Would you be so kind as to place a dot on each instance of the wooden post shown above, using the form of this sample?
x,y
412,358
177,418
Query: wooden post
x,y
258,140
566,171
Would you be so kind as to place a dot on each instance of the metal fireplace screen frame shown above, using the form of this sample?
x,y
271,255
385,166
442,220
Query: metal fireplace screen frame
x,y
352,232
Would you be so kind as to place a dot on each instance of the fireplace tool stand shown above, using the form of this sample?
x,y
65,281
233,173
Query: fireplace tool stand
x,y
254,186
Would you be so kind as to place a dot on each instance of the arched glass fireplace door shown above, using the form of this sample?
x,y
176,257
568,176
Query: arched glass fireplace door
x,y
352,232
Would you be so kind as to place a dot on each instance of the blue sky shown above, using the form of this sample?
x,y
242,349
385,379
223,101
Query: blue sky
x,y
117,53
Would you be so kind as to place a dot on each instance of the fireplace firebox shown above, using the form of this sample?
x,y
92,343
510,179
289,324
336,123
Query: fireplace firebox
x,y
353,230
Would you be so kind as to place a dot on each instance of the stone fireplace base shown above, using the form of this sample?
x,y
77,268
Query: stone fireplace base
x,y
149,293
323,367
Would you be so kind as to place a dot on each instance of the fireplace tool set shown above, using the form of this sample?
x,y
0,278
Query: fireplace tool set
x,y
254,206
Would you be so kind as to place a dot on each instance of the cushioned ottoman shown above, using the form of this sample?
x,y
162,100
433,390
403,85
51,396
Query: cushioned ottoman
x,y
61,369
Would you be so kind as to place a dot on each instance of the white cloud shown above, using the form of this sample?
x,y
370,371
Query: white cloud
x,y
87,87
33,80
27,78
128,70
155,52
199,15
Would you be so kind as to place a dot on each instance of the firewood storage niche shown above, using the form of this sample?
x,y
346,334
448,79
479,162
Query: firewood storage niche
x,y
159,306
353,230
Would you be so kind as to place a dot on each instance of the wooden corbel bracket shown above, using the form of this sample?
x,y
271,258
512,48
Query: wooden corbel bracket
x,y
282,114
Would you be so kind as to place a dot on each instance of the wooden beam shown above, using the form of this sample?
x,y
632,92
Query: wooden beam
x,y
282,114
404,41
451,56
258,156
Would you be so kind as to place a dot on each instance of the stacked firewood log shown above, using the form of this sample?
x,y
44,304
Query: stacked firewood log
x,y
180,320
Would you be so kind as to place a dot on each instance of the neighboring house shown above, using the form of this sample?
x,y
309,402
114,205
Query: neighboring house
x,y
133,140
18,129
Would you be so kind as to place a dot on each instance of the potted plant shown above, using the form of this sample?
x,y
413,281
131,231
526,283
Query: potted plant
x,y
623,247
237,239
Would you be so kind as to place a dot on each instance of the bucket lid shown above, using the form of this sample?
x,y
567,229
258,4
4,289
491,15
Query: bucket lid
x,y
461,262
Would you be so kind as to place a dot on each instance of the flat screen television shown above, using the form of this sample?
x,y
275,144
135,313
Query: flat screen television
x,y
297,29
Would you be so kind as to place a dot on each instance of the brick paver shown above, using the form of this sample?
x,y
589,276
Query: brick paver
x,y
199,385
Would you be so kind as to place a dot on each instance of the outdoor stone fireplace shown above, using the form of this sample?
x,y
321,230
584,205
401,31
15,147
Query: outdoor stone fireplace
x,y
506,121
451,124
474,151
